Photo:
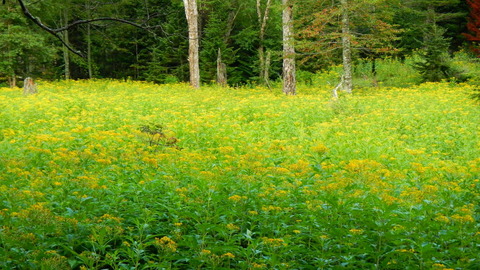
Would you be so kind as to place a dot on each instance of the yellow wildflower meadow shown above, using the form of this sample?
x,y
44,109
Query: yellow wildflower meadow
x,y
111,175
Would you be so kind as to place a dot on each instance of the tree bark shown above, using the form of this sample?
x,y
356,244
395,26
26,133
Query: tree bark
x,y
346,49
89,41
266,73
89,52
262,20
221,70
11,78
12,81
66,51
289,80
191,12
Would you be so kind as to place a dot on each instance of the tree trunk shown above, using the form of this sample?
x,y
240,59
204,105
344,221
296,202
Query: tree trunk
x,y
266,73
347,49
221,70
66,52
262,20
12,81
89,8
89,52
289,80
374,66
191,13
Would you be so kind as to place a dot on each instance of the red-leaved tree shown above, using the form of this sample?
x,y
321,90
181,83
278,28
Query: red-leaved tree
x,y
473,25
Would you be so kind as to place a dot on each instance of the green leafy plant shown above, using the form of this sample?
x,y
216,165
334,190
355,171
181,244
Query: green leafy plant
x,y
157,137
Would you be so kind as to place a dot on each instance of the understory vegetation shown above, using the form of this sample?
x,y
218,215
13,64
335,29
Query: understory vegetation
x,y
130,175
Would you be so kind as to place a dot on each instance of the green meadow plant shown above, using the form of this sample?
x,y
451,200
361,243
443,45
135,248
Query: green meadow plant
x,y
90,177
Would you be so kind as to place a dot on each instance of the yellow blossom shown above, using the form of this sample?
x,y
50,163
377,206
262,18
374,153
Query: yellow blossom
x,y
442,218
274,242
166,244
228,255
463,218
205,252
319,149
356,231
237,198
232,227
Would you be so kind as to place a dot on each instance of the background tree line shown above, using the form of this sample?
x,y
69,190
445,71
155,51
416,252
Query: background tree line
x,y
244,35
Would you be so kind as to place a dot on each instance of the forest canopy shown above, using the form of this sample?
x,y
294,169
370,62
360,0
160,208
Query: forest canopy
x,y
149,40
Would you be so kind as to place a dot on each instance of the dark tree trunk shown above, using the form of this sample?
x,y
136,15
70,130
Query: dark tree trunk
x,y
221,70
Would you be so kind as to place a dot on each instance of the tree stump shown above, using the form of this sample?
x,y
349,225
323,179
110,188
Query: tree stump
x,y
29,87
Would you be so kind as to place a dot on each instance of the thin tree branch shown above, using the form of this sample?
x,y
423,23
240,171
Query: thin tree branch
x,y
37,21
55,31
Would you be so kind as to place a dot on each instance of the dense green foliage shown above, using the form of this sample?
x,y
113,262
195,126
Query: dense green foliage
x,y
23,50
158,53
109,175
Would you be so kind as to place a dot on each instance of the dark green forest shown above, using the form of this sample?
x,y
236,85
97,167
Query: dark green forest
x,y
148,39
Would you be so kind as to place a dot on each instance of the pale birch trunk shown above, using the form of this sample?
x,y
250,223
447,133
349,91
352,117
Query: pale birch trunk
x,y
289,80
347,84
262,20
191,12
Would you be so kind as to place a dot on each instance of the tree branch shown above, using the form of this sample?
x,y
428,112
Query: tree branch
x,y
55,31
37,21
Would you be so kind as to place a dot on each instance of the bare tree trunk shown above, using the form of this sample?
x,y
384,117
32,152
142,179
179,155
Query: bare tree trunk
x,y
89,52
221,66
221,70
347,49
66,52
266,73
89,42
12,81
289,80
262,20
191,12
12,77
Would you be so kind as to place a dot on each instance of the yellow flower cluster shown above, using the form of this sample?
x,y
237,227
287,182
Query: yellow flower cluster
x,y
166,244
274,242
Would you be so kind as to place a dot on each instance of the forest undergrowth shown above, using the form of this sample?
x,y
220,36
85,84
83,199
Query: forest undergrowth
x,y
129,175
